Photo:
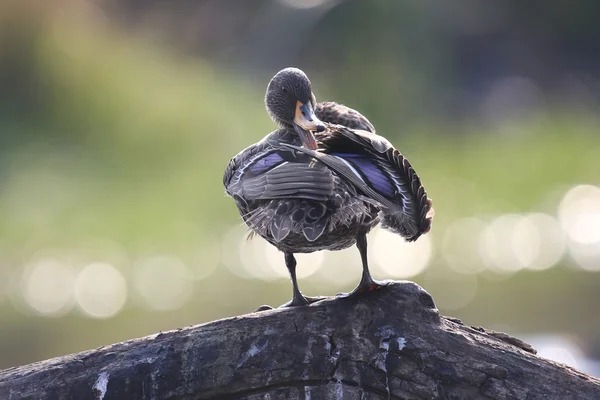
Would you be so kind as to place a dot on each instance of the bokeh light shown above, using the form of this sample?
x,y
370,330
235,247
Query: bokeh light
x,y
339,269
563,348
307,263
256,258
47,287
162,282
247,257
579,214
253,258
205,258
451,291
107,250
397,258
460,245
497,244
100,290
512,242
232,243
539,241
587,256
558,348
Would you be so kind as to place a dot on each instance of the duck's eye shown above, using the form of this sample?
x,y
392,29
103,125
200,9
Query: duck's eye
x,y
284,89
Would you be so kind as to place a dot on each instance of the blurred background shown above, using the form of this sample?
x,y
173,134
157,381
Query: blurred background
x,y
117,119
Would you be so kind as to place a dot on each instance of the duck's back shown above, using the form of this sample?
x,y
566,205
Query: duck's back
x,y
340,114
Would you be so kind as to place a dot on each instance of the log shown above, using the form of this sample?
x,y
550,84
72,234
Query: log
x,y
388,344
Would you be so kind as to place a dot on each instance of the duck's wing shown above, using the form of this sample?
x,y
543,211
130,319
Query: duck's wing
x,y
288,180
275,189
339,114
269,173
284,192
371,164
276,196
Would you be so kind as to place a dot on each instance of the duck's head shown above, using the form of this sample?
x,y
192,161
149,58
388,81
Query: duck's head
x,y
291,104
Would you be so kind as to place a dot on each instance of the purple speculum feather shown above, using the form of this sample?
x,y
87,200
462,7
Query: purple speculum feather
x,y
369,170
266,163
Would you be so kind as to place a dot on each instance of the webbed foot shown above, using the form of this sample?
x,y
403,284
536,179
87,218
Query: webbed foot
x,y
301,300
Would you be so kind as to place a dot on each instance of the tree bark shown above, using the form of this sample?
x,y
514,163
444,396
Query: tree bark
x,y
388,344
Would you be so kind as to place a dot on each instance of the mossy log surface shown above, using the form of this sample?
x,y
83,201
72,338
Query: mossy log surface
x,y
389,344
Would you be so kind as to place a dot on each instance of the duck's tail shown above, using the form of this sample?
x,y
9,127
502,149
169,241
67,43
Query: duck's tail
x,y
409,228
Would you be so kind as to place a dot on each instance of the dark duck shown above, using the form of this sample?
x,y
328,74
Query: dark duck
x,y
323,180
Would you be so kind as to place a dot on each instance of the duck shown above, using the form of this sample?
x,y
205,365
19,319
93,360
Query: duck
x,y
323,181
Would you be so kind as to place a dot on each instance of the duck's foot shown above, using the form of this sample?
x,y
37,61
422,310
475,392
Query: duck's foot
x,y
366,286
301,300
298,301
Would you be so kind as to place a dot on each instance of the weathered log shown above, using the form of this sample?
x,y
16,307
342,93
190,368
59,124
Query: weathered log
x,y
389,344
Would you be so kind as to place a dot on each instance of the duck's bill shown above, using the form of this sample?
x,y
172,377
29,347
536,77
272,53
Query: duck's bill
x,y
306,119
307,138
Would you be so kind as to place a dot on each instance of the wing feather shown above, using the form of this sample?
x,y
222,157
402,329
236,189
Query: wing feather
x,y
289,180
407,210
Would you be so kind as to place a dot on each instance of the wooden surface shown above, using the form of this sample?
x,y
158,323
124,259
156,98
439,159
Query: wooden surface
x,y
389,344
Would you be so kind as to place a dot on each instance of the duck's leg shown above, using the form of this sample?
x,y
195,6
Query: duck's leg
x,y
298,299
367,283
